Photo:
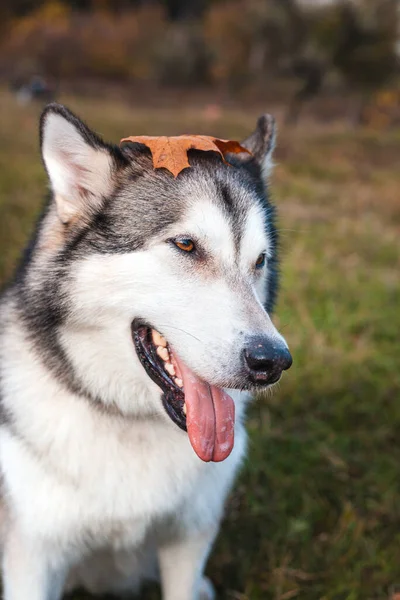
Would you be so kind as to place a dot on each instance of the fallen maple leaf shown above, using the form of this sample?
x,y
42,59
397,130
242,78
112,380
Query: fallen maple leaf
x,y
171,152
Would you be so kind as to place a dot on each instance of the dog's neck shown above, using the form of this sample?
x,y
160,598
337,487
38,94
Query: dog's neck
x,y
104,360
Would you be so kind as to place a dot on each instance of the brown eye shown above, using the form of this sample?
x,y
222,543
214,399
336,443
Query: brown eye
x,y
185,244
260,262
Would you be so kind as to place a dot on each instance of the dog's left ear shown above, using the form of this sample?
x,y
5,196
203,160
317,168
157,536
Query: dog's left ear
x,y
261,143
80,166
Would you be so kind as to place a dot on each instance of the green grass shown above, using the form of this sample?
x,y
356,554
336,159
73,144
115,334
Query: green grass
x,y
316,511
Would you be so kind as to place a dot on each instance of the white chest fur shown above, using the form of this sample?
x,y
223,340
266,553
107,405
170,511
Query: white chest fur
x,y
72,469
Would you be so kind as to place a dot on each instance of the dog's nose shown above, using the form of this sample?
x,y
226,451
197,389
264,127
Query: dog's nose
x,y
265,359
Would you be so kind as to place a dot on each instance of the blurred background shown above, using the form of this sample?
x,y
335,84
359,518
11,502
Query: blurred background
x,y
287,50
316,512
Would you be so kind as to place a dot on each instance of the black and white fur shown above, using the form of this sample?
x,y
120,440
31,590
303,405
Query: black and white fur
x,y
99,487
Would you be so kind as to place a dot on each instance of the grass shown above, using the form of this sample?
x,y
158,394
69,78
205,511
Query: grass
x,y
316,511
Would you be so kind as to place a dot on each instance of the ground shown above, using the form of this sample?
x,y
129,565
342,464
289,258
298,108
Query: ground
x,y
316,512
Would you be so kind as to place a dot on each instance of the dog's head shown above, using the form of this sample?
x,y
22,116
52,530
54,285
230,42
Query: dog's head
x,y
166,280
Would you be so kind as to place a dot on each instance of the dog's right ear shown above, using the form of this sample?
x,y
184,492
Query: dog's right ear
x,y
261,143
80,166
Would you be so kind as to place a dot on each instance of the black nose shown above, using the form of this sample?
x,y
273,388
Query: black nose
x,y
265,359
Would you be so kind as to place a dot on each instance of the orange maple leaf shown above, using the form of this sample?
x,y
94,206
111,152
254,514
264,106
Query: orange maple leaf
x,y
171,152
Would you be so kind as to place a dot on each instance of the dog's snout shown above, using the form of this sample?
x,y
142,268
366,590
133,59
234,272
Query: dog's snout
x,y
265,359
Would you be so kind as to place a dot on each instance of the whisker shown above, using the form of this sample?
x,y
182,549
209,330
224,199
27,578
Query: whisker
x,y
183,331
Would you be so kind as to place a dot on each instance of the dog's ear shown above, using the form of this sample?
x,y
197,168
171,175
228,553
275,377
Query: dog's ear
x,y
261,143
80,166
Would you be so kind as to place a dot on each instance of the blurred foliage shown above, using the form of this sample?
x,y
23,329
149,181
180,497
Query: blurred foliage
x,y
232,43
248,39
182,56
60,42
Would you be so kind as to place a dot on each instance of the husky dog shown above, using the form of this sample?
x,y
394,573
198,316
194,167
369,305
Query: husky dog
x,y
131,337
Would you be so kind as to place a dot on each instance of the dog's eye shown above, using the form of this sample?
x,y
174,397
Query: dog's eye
x,y
184,244
260,262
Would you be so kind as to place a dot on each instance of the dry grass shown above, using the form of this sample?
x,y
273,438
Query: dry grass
x,y
316,512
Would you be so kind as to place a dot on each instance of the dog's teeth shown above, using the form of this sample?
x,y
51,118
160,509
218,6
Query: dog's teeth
x,y
158,339
169,367
179,382
163,353
184,408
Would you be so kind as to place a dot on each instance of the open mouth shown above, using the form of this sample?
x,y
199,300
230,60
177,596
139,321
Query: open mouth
x,y
205,411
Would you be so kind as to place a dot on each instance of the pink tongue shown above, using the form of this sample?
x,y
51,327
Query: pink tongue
x,y
210,416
